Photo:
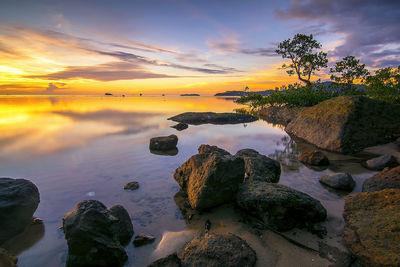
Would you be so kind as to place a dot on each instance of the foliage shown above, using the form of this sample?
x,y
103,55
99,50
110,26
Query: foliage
x,y
385,85
304,61
347,70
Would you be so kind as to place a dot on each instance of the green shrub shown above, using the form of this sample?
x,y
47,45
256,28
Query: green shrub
x,y
385,85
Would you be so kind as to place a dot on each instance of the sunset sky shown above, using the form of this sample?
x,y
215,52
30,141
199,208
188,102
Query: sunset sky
x,y
173,47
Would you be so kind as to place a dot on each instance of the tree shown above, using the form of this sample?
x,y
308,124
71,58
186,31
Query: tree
x,y
304,61
385,85
348,69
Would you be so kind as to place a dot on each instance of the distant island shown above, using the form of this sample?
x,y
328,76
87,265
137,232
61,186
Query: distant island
x,y
190,95
108,94
243,93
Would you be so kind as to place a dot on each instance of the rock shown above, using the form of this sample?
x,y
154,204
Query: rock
x,y
397,142
197,118
281,207
315,158
180,126
388,178
259,167
381,162
210,179
172,152
204,149
341,181
123,228
279,115
372,231
347,124
142,239
169,261
131,186
6,259
216,249
94,235
19,199
164,143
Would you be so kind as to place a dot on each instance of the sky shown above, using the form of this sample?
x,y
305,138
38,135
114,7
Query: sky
x,y
171,47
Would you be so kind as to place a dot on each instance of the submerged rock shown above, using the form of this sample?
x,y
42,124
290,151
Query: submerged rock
x,y
94,234
341,181
281,207
347,124
381,162
6,259
197,118
131,186
180,126
164,143
216,249
388,178
259,167
169,261
373,226
210,179
142,239
315,158
19,199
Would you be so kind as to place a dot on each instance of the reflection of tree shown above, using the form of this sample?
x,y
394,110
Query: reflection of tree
x,y
288,155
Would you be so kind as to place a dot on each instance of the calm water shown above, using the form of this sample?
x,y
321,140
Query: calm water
x,y
77,148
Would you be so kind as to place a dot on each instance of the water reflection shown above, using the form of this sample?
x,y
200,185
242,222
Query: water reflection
x,y
32,234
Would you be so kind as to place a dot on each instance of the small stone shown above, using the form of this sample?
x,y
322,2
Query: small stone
x,y
169,261
315,158
131,186
180,126
164,143
341,181
381,162
142,239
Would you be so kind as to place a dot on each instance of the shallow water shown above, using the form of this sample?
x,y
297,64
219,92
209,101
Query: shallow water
x,y
77,148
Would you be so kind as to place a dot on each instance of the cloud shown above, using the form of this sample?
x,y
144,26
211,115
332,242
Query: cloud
x,y
112,71
231,45
55,86
368,26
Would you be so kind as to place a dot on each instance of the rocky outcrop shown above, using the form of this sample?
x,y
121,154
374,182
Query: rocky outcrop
x,y
210,178
94,234
259,167
6,259
197,118
341,181
347,124
315,158
279,115
372,227
388,178
131,186
19,199
216,249
381,162
281,207
163,143
180,126
143,239
204,149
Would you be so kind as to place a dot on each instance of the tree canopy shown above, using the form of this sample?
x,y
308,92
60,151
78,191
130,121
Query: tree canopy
x,y
347,70
304,60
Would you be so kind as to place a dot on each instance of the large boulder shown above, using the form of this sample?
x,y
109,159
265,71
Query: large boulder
x,y
259,167
373,226
197,118
19,199
163,143
281,207
216,249
347,124
341,181
381,162
388,178
94,234
210,179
